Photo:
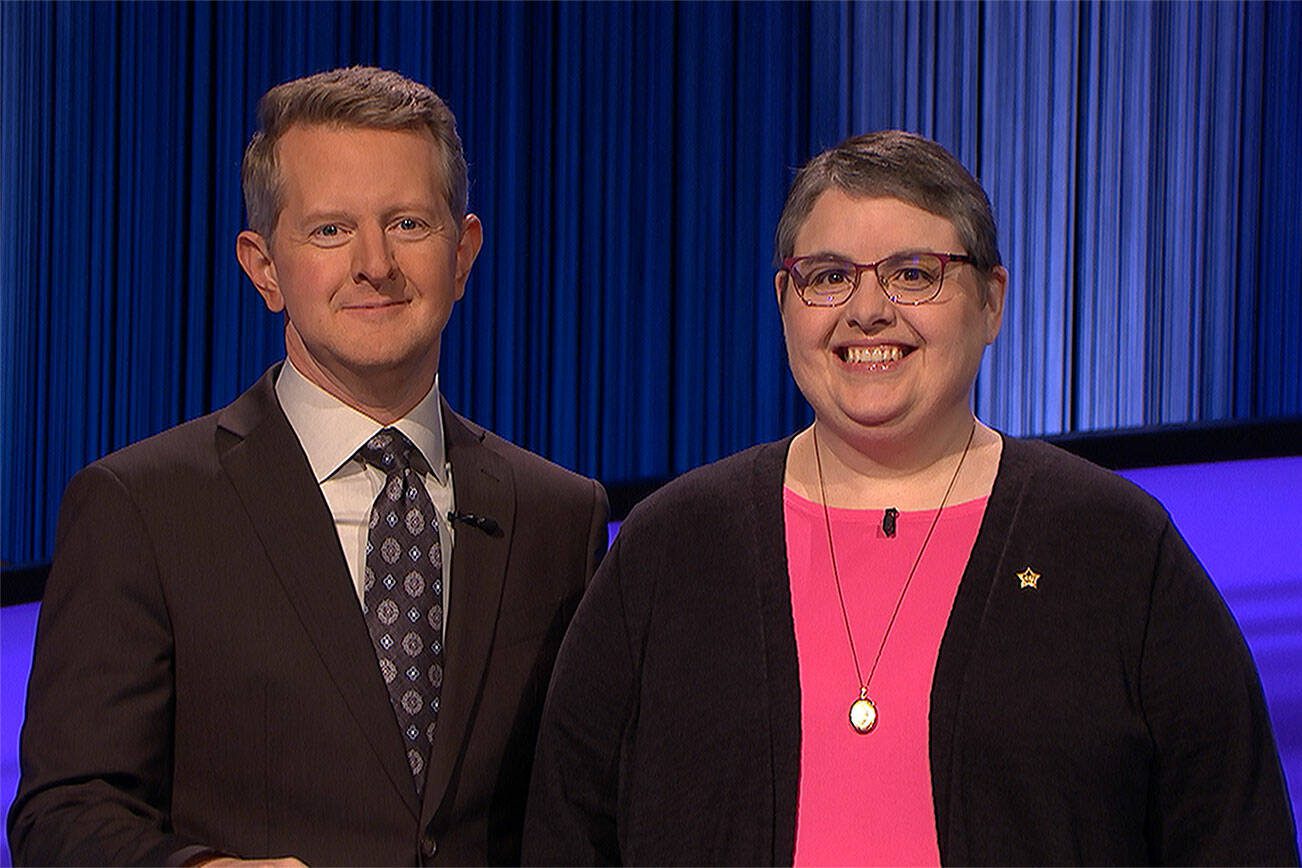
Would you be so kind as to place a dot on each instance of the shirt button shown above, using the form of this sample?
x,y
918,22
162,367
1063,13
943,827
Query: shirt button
x,y
428,846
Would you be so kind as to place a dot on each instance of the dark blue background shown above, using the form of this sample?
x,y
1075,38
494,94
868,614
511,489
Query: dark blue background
x,y
629,162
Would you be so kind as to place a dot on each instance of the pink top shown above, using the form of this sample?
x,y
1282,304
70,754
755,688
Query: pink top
x,y
866,799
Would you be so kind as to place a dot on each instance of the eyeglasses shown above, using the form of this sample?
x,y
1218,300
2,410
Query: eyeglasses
x,y
905,278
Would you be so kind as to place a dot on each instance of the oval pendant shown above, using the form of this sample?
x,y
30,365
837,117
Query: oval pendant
x,y
863,715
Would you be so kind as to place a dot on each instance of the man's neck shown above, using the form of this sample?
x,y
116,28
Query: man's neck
x,y
385,396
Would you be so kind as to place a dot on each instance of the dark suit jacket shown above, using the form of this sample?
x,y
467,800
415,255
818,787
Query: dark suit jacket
x,y
203,673
1110,716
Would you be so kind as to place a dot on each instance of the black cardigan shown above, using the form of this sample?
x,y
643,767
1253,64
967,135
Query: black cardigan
x,y
1111,715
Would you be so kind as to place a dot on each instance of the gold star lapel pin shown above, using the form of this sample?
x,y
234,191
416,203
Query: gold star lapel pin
x,y
1028,577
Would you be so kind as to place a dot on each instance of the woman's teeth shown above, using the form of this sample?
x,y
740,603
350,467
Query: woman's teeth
x,y
872,354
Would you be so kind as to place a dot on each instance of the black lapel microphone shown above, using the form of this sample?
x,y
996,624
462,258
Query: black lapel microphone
x,y
888,521
482,522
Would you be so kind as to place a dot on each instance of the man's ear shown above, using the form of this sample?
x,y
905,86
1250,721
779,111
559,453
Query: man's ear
x,y
472,239
996,292
254,253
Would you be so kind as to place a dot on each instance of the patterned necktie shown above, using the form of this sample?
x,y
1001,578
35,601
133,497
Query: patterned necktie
x,y
403,599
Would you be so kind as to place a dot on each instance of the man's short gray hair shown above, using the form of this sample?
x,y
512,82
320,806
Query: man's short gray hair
x,y
356,96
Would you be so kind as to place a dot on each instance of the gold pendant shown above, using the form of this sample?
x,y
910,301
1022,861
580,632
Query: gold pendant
x,y
863,713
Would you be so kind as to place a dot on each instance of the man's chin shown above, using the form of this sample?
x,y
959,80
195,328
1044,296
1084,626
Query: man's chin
x,y
377,364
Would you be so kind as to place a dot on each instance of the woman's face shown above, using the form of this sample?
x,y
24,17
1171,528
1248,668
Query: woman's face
x,y
871,367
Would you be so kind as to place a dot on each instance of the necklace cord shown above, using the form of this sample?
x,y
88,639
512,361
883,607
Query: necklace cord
x,y
836,575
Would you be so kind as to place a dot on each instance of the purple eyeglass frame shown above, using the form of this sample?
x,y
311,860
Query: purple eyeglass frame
x,y
860,267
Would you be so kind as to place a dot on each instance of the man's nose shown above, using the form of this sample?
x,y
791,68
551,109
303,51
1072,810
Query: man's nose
x,y
373,260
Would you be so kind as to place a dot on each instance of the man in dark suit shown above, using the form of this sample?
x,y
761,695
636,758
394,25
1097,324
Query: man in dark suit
x,y
318,623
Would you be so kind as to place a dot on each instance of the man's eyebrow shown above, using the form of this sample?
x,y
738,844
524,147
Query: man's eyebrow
x,y
412,205
325,216
430,212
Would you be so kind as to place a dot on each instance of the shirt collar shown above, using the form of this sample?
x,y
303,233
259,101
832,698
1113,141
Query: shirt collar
x,y
331,431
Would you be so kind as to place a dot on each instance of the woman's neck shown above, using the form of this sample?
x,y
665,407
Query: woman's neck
x,y
868,475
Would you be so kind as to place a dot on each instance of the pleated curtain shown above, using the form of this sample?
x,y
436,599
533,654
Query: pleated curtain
x,y
629,162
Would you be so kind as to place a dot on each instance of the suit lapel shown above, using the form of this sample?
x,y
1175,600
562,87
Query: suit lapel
x,y
483,485
269,470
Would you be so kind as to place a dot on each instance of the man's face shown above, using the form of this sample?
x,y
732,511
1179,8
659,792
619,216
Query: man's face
x,y
366,259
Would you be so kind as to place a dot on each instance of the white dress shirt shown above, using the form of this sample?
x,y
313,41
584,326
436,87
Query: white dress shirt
x,y
331,432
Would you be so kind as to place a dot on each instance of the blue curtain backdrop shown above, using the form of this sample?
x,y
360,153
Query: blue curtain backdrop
x,y
629,162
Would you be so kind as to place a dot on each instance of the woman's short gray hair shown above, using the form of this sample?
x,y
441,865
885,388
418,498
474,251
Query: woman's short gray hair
x,y
898,165
356,96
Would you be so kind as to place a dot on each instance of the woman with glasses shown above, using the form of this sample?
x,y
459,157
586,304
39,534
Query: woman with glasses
x,y
900,637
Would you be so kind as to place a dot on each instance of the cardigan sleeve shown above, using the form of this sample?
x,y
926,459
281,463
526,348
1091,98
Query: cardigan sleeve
x,y
571,818
1218,794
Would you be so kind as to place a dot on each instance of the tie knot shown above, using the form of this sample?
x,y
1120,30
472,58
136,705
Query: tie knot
x,y
389,450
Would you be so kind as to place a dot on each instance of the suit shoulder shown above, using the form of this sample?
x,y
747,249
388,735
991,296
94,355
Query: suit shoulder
x,y
190,445
530,466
